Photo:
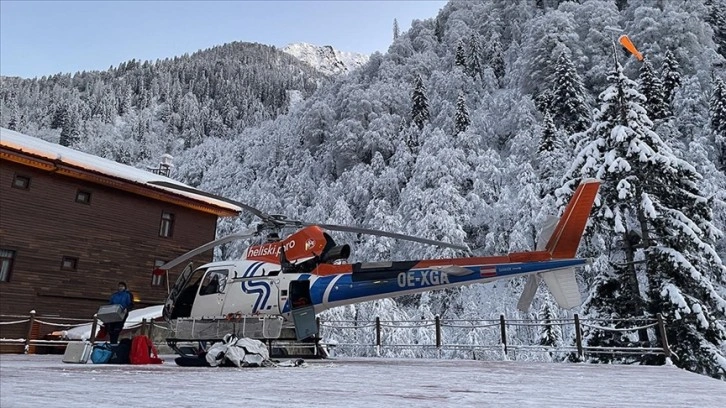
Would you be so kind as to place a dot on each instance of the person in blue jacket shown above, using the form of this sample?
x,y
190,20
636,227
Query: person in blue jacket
x,y
124,298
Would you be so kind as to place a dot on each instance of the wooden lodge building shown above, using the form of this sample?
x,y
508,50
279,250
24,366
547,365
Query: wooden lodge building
x,y
72,225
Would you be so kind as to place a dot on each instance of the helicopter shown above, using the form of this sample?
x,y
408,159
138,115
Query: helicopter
x,y
283,283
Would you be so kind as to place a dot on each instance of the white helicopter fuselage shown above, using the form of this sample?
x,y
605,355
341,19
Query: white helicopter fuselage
x,y
249,287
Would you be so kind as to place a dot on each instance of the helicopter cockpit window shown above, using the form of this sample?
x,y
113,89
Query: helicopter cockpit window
x,y
213,282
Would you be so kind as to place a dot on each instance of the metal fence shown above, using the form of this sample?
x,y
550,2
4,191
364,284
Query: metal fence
x,y
473,336
433,335
38,330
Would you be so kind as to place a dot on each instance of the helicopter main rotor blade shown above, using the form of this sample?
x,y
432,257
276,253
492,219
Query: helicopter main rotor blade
x,y
253,210
388,234
206,247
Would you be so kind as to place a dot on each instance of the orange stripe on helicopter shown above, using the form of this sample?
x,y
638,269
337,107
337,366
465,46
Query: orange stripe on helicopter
x,y
562,244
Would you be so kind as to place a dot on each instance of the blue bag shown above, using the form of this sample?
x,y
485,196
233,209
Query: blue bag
x,y
101,354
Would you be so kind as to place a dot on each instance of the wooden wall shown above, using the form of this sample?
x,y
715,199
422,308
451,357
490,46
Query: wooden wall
x,y
115,238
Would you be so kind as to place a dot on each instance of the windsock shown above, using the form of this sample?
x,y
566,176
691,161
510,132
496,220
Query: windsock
x,y
625,42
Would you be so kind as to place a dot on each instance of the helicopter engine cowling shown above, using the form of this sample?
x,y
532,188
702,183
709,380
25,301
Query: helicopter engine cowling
x,y
336,252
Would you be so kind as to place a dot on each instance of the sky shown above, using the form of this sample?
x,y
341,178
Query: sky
x,y
47,37
43,380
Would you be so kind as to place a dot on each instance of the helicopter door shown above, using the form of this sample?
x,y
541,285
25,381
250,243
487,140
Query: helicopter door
x,y
302,309
210,298
176,291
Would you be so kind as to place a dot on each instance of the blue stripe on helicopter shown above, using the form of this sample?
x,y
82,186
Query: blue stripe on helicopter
x,y
346,289
262,288
252,269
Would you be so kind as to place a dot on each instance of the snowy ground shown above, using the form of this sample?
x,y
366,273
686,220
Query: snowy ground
x,y
43,380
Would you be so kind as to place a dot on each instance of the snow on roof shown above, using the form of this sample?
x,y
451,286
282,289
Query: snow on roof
x,y
51,151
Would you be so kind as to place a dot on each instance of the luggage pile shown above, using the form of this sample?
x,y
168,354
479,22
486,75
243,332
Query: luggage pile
x,y
139,350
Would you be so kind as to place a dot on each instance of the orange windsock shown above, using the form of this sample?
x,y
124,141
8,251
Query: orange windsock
x,y
625,42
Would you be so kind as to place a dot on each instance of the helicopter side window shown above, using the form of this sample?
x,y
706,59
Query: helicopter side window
x,y
214,282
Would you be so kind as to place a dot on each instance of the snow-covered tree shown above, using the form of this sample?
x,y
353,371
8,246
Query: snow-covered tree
x,y
569,106
496,59
473,60
462,114
460,56
671,74
717,19
650,207
717,108
395,30
439,29
419,103
550,334
652,88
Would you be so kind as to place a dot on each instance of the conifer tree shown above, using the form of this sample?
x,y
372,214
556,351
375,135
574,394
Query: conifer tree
x,y
496,60
717,20
395,29
717,108
419,103
652,88
460,59
549,135
549,153
13,122
550,334
569,108
462,114
671,74
439,29
650,205
474,68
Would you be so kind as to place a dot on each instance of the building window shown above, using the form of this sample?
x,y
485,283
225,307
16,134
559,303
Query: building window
x,y
83,197
21,182
167,224
6,264
69,263
158,276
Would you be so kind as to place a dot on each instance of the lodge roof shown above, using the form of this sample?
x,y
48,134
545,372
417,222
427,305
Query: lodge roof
x,y
52,157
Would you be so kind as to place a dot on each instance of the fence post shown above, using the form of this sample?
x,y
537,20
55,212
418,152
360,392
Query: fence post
x,y
663,336
378,331
31,322
502,323
151,329
92,338
578,337
437,320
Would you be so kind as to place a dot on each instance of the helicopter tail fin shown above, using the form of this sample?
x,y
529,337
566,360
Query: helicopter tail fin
x,y
565,238
561,237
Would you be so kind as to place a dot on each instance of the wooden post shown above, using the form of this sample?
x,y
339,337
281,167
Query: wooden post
x,y
502,323
663,336
578,337
31,322
378,331
151,329
92,338
437,320
144,329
